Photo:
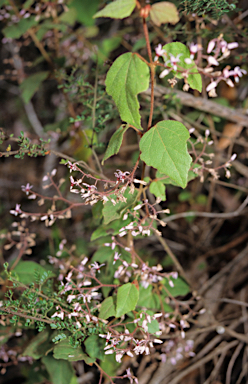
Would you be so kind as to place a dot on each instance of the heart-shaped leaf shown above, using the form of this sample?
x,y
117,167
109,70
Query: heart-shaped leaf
x,y
127,77
127,298
164,147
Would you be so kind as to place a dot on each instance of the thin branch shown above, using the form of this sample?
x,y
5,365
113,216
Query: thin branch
x,y
235,115
227,215
222,348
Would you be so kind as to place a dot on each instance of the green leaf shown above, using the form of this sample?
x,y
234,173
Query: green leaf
x,y
191,176
94,347
31,84
112,212
26,270
127,298
110,229
150,300
158,189
127,77
118,9
60,371
164,12
164,147
15,31
110,365
115,142
180,287
175,49
85,11
38,346
64,351
107,308
153,326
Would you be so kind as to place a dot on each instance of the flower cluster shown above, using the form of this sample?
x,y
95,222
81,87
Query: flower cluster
x,y
221,50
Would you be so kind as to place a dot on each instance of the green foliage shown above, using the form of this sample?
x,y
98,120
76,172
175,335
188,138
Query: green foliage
x,y
60,371
127,77
180,287
158,189
38,346
164,148
118,9
84,307
115,142
26,147
215,8
65,351
31,84
112,212
84,11
15,31
127,298
27,270
107,308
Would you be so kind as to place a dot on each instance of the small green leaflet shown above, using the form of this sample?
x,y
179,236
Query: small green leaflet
x,y
158,189
127,298
115,142
175,49
164,12
27,269
180,287
127,77
31,84
118,9
94,347
107,308
16,30
112,212
64,351
38,346
164,147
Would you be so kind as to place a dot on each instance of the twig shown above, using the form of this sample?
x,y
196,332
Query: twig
x,y
220,349
202,104
173,257
215,371
227,215
232,361
223,271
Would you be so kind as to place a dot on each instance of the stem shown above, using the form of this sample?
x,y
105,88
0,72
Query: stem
x,y
152,66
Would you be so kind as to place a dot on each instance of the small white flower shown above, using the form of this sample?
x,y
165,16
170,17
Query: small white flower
x,y
212,60
211,86
211,46
164,73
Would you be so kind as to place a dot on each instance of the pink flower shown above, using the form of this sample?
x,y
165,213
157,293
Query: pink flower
x,y
174,60
27,188
159,52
